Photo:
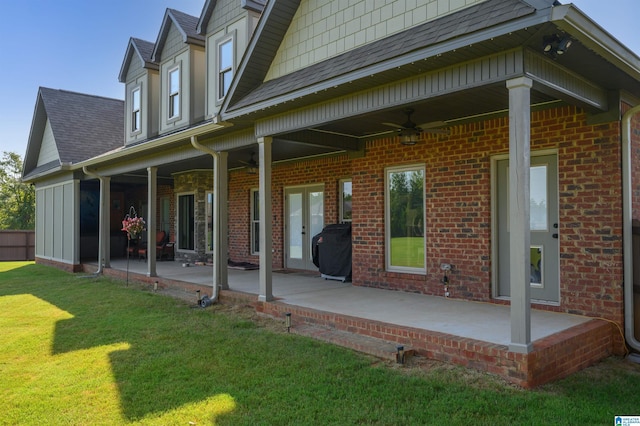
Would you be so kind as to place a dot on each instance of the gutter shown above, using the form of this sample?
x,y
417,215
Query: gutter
x,y
154,144
216,231
571,19
627,209
101,214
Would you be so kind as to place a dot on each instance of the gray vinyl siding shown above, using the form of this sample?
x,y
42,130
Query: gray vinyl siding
x,y
57,222
225,11
489,70
48,149
173,45
322,30
136,68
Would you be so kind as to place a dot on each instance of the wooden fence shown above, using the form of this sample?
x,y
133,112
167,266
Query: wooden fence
x,y
17,245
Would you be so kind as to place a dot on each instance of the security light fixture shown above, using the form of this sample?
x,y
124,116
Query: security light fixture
x,y
555,45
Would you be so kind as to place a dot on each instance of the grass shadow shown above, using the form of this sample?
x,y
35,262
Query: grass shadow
x,y
168,356
168,343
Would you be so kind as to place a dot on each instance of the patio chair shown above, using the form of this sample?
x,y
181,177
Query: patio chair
x,y
164,248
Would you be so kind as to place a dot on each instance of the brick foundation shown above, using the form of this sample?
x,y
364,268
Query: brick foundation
x,y
552,358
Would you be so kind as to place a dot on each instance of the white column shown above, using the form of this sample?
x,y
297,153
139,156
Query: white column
x,y
266,239
519,211
152,196
220,220
105,188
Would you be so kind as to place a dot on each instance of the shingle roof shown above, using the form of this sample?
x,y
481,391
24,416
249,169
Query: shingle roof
x,y
186,24
475,18
83,125
144,50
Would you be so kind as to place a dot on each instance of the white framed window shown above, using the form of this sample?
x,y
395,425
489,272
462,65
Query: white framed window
x,y
255,221
174,92
405,238
186,222
209,214
225,67
136,111
345,200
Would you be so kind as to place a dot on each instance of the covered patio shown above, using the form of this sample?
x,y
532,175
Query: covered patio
x,y
468,333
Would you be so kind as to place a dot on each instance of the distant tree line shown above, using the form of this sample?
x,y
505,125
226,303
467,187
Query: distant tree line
x,y
17,199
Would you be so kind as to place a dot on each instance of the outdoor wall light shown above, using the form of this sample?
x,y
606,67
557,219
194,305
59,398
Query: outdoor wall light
x,y
287,321
400,354
555,45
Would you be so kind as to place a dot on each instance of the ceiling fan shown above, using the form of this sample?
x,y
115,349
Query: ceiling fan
x,y
409,131
252,164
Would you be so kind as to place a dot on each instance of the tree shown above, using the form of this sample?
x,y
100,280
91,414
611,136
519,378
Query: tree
x,y
17,199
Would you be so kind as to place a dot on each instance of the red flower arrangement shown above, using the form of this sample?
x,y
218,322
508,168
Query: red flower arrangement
x,y
133,226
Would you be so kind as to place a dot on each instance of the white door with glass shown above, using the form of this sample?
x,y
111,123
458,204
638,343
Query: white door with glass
x,y
304,217
544,267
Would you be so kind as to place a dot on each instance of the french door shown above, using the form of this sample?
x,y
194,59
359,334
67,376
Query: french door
x,y
304,218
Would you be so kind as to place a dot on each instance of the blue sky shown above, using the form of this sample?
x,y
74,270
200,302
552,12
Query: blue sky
x,y
79,45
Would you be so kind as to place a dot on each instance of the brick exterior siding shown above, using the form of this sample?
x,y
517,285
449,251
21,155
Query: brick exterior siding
x,y
458,208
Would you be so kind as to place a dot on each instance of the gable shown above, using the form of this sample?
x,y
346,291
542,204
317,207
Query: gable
x,y
177,29
324,29
206,24
48,149
136,58
70,127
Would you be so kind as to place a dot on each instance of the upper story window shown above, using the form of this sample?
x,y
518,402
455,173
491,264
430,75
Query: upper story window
x,y
174,93
225,67
136,120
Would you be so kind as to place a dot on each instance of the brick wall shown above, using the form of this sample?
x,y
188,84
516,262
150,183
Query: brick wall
x,y
327,171
458,198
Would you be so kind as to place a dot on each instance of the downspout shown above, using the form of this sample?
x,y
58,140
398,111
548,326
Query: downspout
x,y
627,209
216,246
100,218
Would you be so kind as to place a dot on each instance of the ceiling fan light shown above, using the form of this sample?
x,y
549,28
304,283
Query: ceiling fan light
x,y
409,137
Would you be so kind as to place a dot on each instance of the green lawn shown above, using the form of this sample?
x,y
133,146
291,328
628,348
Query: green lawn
x,y
86,351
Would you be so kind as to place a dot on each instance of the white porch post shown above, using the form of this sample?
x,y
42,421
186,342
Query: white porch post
x,y
519,210
105,219
266,239
152,196
220,220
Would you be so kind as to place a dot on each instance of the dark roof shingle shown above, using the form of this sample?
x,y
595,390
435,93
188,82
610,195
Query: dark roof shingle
x,y
83,126
469,20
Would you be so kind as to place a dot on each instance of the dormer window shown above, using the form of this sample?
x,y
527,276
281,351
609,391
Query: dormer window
x,y
225,67
136,120
174,93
